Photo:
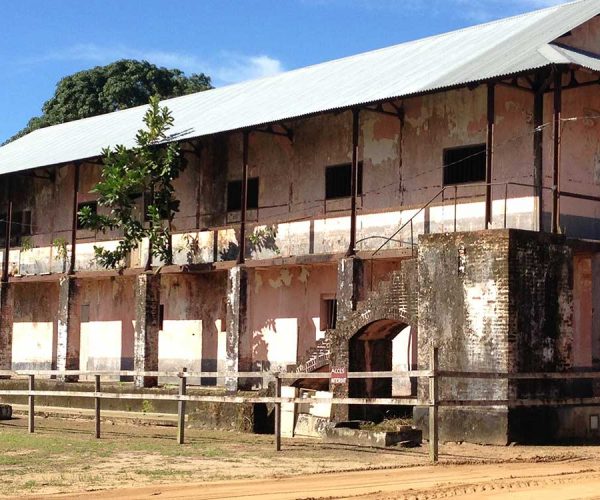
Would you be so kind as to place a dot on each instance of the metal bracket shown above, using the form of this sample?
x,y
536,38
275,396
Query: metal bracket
x,y
50,175
287,132
378,108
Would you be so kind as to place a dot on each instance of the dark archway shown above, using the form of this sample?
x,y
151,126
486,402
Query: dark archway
x,y
371,350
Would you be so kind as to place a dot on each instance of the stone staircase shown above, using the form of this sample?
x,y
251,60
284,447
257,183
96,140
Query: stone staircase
x,y
389,293
316,357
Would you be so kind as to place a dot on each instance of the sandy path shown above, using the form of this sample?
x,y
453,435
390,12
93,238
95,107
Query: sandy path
x,y
558,480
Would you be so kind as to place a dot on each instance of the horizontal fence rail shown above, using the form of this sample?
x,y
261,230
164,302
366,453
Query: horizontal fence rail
x,y
433,402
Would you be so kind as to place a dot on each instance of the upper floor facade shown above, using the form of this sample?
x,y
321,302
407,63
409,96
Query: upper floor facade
x,y
516,151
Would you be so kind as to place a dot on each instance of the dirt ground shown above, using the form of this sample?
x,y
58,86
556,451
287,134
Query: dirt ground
x,y
63,459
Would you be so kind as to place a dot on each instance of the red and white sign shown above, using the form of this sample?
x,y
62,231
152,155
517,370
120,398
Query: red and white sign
x,y
339,375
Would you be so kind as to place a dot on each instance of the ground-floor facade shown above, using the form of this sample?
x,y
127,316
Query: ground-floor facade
x,y
504,301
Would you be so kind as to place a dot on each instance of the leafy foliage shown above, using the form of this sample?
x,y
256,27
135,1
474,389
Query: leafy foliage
x,y
145,171
119,85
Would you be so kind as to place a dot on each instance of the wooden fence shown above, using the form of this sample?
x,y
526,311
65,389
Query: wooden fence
x,y
433,375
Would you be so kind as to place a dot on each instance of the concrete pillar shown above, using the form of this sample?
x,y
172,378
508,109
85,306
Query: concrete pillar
x,y
239,337
6,325
350,286
147,324
350,290
68,332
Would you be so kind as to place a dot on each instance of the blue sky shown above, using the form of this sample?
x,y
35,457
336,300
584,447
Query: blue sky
x,y
231,40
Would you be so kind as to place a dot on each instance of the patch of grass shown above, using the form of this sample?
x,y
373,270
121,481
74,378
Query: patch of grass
x,y
213,452
163,473
30,485
389,425
147,406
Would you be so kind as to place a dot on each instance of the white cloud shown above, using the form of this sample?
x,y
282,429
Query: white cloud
x,y
226,68
234,68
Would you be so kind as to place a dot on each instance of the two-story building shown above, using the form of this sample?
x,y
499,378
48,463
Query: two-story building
x,y
445,189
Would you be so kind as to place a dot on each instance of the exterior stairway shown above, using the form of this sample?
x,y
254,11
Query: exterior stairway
x,y
316,357
386,291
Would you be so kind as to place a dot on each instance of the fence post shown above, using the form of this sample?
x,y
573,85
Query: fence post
x,y
181,407
31,426
277,413
433,409
97,404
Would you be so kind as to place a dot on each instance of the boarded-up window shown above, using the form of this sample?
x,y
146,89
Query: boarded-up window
x,y
464,164
234,195
338,179
328,312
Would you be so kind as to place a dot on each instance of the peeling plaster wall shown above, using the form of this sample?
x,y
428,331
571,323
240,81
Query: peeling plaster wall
x,y
107,335
402,171
583,311
194,309
34,329
284,312
585,37
580,159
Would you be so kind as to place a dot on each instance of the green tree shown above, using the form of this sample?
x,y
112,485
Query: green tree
x,y
145,171
119,85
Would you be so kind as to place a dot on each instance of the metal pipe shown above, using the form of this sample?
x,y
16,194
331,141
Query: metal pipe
x,y
354,182
455,202
31,404
538,155
491,114
433,401
74,217
556,150
505,202
277,414
181,408
97,406
244,198
8,224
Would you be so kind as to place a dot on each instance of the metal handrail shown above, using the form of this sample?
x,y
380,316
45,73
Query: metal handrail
x,y
455,188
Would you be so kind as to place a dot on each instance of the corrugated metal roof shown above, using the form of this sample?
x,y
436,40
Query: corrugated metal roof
x,y
473,54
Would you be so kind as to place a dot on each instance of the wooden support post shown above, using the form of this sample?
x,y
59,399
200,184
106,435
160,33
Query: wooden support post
x,y
181,407
433,409
538,153
242,251
31,416
8,223
97,405
277,414
505,202
556,156
354,182
491,115
74,218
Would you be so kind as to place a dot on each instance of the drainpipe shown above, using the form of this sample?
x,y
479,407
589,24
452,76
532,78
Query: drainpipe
x,y
556,159
8,223
242,252
491,113
353,183
74,219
